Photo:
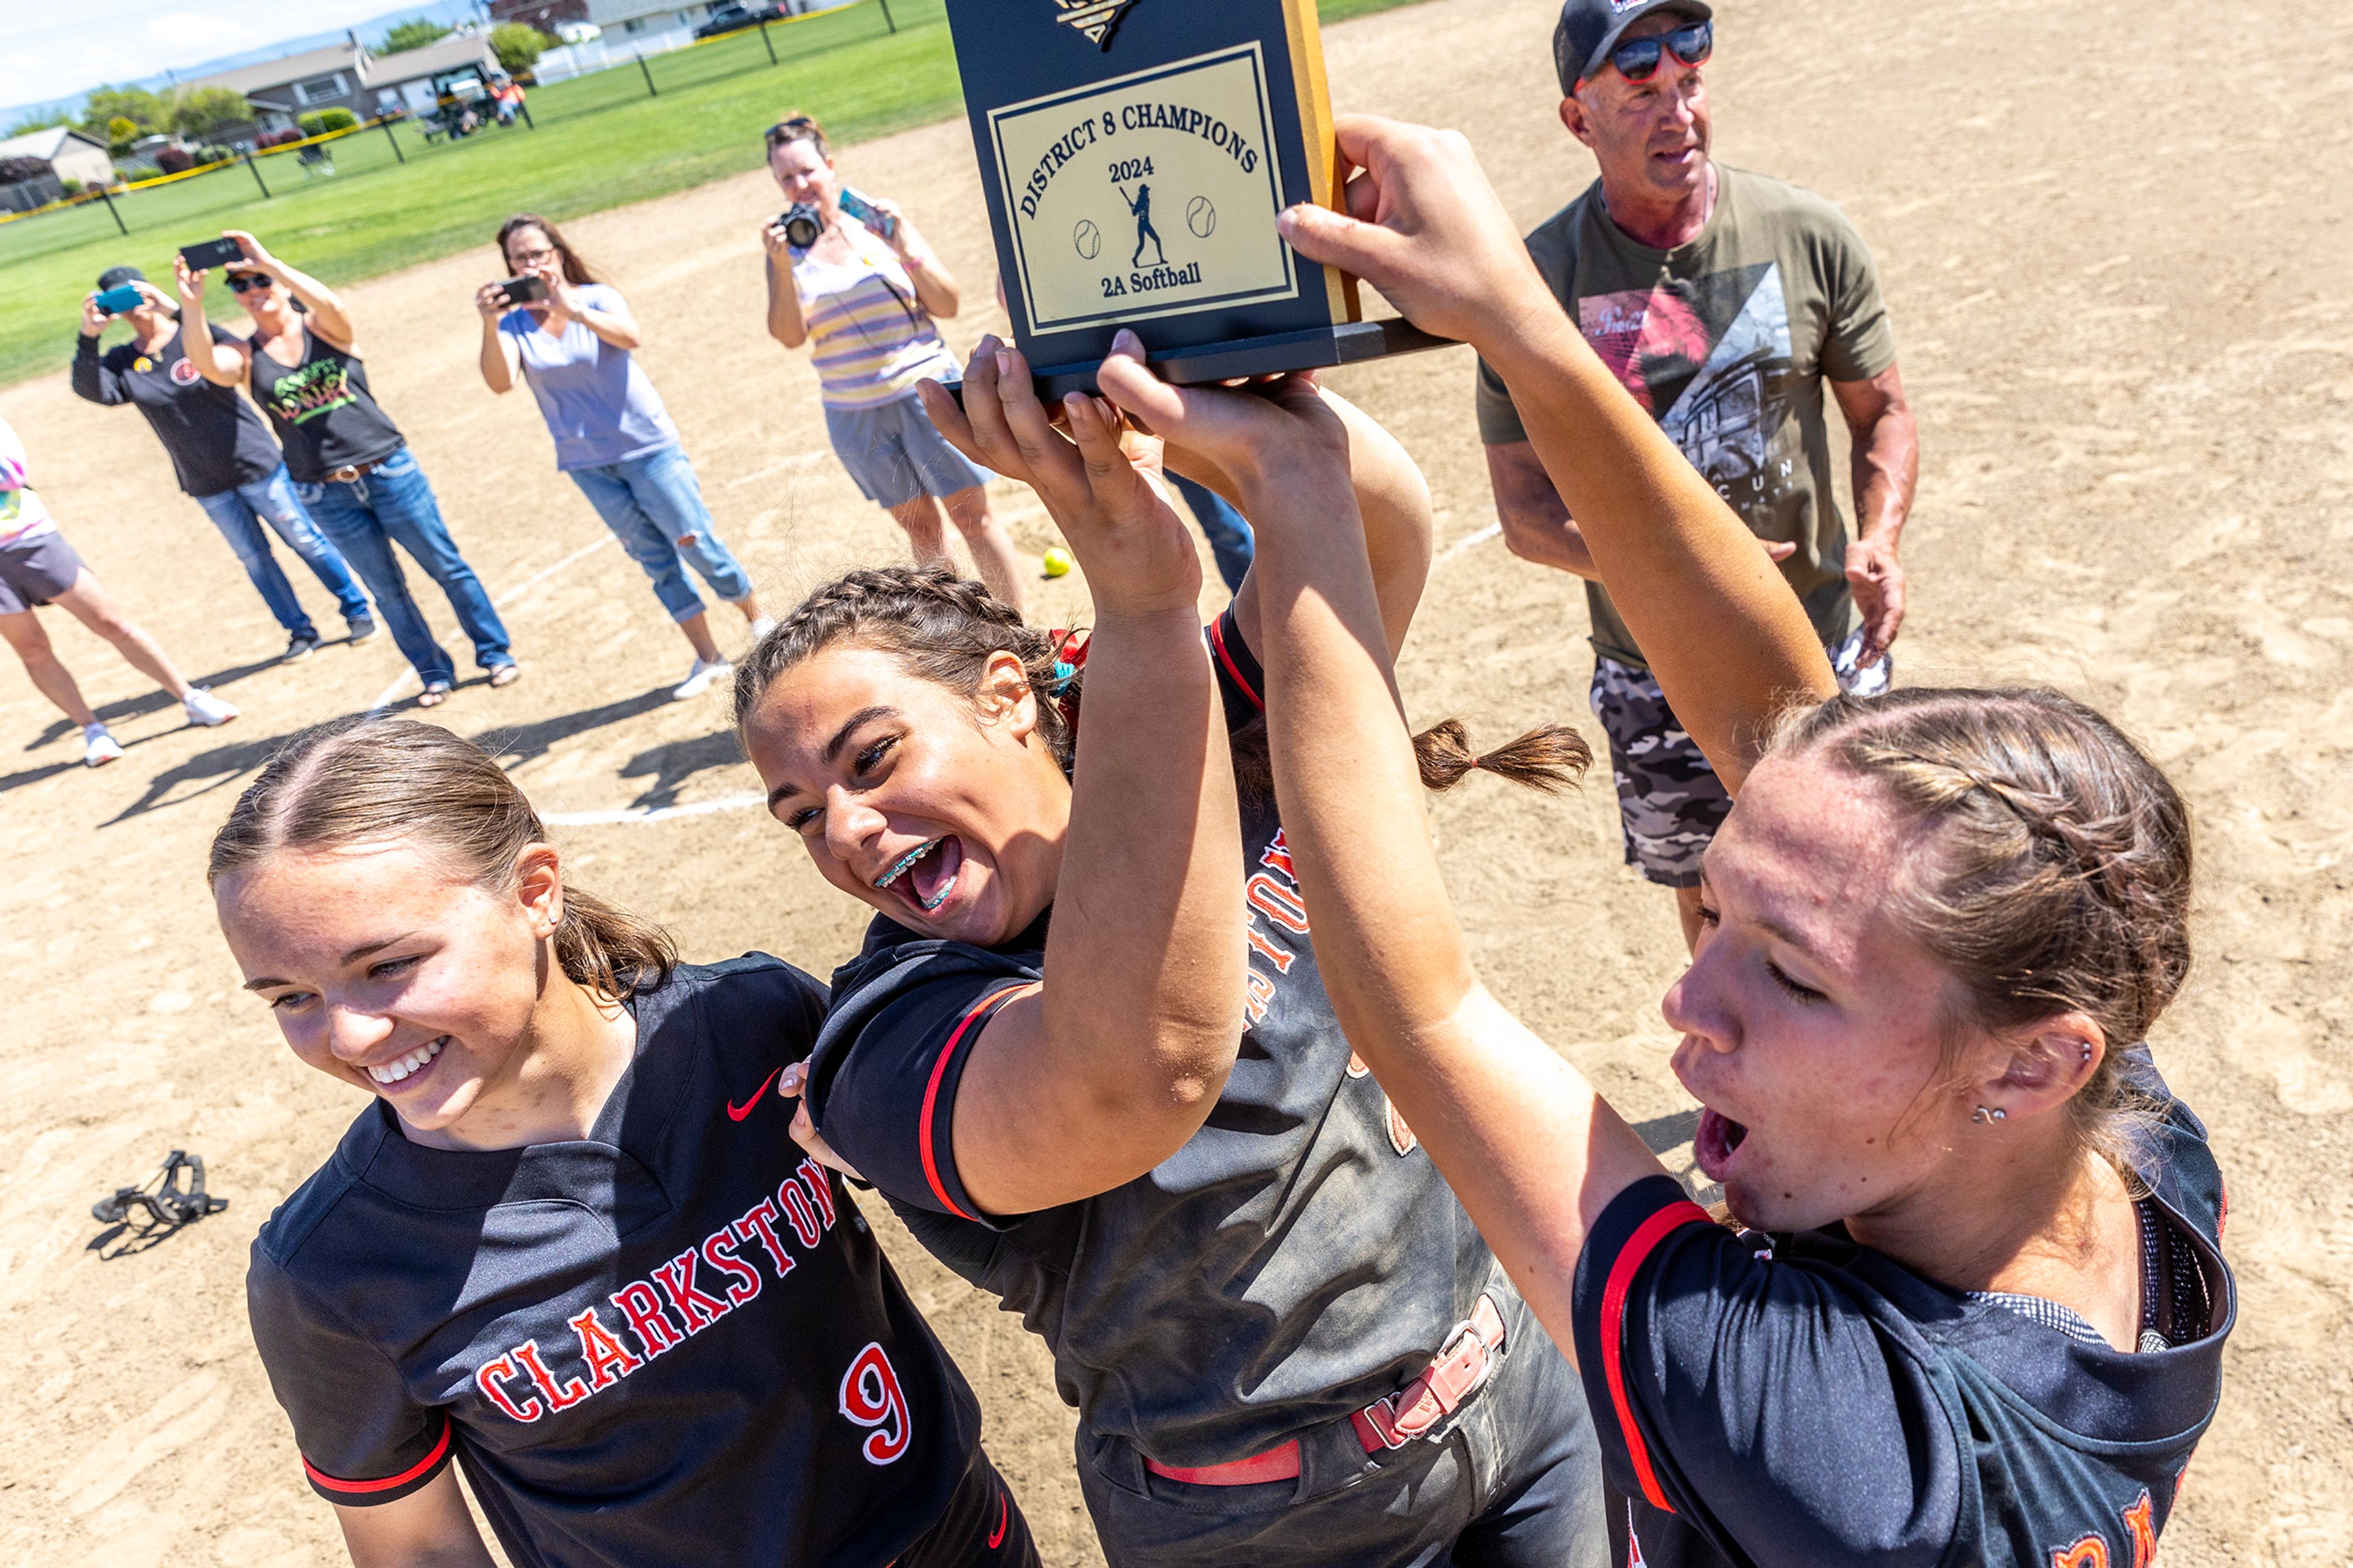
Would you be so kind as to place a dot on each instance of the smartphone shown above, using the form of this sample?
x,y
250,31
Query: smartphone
x,y
867,213
114,301
523,290
209,253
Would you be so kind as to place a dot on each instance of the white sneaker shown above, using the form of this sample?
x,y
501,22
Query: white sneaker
x,y
762,627
208,709
699,680
99,748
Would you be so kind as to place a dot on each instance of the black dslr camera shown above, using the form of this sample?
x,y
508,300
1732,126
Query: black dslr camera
x,y
802,224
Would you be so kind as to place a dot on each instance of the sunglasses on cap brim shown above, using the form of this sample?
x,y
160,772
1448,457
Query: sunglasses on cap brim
x,y
1639,61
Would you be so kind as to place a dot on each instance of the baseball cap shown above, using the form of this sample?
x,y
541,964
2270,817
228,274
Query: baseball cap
x,y
116,276
1589,29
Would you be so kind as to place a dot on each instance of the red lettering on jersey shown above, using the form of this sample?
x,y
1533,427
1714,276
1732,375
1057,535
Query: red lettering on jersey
x,y
643,1309
1276,902
1282,957
1278,855
2091,1551
1260,995
760,1220
871,1397
608,1358
560,1396
1402,1137
799,1210
699,1308
2141,1521
742,1280
820,1188
487,1380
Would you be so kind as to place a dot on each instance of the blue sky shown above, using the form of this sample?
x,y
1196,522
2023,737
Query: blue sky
x,y
54,50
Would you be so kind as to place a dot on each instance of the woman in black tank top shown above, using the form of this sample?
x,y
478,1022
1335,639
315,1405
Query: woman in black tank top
x,y
348,462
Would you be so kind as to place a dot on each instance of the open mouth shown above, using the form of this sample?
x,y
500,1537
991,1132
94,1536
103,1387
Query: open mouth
x,y
926,875
402,1069
1716,1141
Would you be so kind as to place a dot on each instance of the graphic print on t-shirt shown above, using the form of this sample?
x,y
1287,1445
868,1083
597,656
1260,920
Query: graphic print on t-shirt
x,y
311,390
1710,359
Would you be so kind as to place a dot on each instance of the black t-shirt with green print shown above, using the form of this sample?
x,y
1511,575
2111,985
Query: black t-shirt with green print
x,y
1726,342
326,417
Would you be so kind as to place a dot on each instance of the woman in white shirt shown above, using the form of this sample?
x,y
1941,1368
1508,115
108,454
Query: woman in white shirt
x,y
863,296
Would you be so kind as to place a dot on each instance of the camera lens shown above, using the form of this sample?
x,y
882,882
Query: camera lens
x,y
801,225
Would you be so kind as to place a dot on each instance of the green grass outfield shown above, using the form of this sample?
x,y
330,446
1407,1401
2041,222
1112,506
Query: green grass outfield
x,y
601,141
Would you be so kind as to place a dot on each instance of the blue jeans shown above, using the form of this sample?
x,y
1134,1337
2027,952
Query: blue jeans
x,y
365,517
654,507
1231,541
239,514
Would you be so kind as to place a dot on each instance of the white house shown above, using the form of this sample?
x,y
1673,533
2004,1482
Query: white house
x,y
347,76
69,154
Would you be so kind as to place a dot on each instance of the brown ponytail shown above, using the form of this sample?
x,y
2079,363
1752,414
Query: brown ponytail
x,y
1550,757
393,780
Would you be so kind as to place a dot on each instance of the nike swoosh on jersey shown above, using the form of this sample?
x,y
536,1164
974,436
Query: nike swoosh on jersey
x,y
996,1536
737,1112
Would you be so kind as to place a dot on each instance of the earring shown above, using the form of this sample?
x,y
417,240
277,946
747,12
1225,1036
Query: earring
x,y
1985,1113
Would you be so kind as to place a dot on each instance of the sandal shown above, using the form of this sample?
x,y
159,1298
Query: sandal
x,y
506,675
433,696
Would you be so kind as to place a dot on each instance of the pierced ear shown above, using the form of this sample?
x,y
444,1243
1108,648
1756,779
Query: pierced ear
x,y
2048,1063
539,888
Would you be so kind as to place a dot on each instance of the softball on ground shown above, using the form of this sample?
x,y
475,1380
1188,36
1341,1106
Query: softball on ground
x,y
1058,562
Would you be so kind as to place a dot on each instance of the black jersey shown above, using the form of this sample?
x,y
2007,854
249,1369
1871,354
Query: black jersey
x,y
1792,1400
1296,1260
325,416
217,439
674,1341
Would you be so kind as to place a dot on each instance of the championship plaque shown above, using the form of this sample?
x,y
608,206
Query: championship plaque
x,y
1136,154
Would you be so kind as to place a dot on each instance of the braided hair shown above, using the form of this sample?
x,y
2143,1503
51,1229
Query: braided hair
x,y
946,628
2058,870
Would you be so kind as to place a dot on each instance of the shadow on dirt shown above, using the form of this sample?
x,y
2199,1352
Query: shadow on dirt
x,y
517,744
671,766
153,701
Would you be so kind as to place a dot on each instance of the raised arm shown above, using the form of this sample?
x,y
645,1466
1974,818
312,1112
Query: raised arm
x,y
222,364
1393,499
328,317
786,324
1115,1062
89,377
935,286
498,358
1727,638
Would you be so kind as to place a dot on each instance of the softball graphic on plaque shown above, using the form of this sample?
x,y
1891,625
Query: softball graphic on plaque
x,y
1136,154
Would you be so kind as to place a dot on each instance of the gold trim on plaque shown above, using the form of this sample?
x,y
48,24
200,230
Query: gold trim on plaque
x,y
1314,97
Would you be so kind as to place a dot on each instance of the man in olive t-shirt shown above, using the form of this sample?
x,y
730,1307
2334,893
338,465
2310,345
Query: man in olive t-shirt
x,y
1722,300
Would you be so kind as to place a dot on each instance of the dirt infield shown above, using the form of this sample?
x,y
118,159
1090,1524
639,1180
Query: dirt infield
x,y
2117,267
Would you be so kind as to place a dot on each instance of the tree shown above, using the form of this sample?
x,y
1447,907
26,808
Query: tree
x,y
121,132
144,110
199,110
413,33
519,46
32,122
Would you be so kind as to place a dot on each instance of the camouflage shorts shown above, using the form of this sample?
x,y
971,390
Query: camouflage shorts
x,y
1670,802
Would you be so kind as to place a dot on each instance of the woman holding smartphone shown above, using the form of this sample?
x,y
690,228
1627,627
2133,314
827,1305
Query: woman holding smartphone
x,y
567,1242
864,294
350,464
572,339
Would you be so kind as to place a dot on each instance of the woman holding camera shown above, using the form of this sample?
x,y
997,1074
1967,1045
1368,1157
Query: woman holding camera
x,y
220,451
350,463
853,279
570,337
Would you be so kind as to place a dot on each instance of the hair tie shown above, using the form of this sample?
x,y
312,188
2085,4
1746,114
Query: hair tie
x,y
1064,673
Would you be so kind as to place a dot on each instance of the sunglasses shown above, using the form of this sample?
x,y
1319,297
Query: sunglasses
x,y
1639,61
797,129
247,282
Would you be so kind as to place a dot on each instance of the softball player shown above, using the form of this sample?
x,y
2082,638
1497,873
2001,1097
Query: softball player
x,y
569,1244
1086,1055
1978,1312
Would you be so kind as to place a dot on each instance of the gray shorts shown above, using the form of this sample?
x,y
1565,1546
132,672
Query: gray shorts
x,y
1670,802
895,453
35,571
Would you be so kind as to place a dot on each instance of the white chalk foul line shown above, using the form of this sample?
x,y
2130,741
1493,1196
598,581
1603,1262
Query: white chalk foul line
x,y
1467,543
408,676
659,813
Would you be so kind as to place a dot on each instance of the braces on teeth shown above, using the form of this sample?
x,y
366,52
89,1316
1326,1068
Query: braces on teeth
x,y
907,860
